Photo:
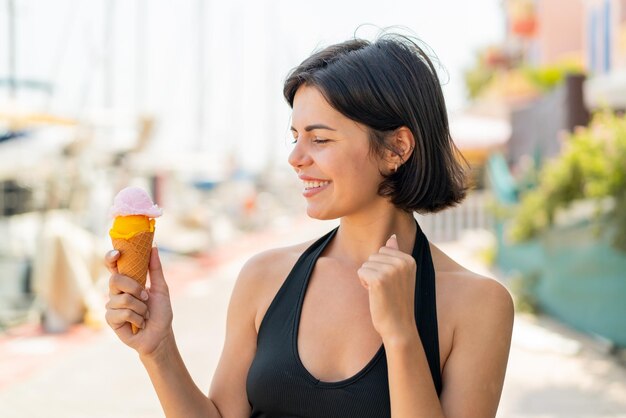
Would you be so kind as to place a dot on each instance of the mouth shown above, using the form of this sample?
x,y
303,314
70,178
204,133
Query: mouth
x,y
310,185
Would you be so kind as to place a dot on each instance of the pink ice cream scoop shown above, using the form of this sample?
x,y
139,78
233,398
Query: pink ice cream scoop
x,y
134,201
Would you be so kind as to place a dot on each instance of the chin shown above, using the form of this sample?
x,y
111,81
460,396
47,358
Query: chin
x,y
321,216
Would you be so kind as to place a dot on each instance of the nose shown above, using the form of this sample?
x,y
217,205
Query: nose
x,y
299,157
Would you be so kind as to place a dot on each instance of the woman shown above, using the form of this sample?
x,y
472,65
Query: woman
x,y
369,320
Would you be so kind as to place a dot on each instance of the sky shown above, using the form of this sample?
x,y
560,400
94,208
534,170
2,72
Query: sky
x,y
112,60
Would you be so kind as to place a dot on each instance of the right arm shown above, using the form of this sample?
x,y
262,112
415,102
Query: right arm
x,y
156,345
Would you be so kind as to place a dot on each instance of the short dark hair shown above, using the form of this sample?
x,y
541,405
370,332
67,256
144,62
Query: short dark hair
x,y
387,84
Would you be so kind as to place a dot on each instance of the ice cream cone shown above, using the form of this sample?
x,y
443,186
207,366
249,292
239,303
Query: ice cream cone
x,y
132,233
134,258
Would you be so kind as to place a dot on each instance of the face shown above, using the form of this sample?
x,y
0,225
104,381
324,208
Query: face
x,y
331,157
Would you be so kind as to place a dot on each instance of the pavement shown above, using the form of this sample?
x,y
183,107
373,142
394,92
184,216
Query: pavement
x,y
553,370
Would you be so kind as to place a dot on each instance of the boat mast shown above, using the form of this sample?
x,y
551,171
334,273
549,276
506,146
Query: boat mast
x,y
109,67
11,39
200,76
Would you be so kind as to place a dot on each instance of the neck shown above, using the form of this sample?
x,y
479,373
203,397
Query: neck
x,y
359,237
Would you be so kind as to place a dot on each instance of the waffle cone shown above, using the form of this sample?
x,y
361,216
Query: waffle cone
x,y
134,257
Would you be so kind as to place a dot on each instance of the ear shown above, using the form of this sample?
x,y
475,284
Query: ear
x,y
402,144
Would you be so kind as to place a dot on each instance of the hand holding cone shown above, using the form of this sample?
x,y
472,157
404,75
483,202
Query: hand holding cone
x,y
132,233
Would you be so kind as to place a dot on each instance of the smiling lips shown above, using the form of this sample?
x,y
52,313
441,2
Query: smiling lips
x,y
313,186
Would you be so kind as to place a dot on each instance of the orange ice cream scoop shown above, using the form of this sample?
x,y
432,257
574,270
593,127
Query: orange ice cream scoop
x,y
126,227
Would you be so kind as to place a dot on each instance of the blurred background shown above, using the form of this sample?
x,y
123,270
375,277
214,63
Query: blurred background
x,y
185,100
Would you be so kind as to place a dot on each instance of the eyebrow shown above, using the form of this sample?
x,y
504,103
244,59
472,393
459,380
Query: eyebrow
x,y
315,126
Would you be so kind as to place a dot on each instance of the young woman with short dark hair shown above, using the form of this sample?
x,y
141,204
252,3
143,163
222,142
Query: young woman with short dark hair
x,y
369,320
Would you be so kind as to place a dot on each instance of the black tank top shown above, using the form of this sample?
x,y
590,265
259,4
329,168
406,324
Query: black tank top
x,y
279,386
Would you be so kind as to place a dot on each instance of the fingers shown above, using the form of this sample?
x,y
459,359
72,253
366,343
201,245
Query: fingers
x,y
157,279
119,283
123,308
117,318
384,259
392,242
380,267
368,276
110,261
125,301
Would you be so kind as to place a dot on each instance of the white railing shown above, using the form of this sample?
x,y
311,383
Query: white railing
x,y
451,223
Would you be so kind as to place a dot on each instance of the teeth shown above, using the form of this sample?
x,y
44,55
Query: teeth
x,y
315,184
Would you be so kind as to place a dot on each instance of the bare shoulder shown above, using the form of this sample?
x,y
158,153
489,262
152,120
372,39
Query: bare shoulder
x,y
264,273
469,298
476,296
267,265
259,279
473,297
477,316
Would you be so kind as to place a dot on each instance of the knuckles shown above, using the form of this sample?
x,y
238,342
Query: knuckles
x,y
127,299
386,265
395,256
124,283
114,281
127,315
108,317
387,271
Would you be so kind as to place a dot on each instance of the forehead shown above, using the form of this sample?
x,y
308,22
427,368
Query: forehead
x,y
310,106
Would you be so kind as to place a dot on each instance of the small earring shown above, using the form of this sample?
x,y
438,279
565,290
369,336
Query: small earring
x,y
395,168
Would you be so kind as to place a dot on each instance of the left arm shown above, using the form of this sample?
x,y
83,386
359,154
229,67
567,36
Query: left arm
x,y
474,373
411,388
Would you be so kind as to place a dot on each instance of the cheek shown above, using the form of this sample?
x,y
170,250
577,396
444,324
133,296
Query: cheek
x,y
362,173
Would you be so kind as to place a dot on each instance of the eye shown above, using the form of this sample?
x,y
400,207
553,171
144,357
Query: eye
x,y
315,140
